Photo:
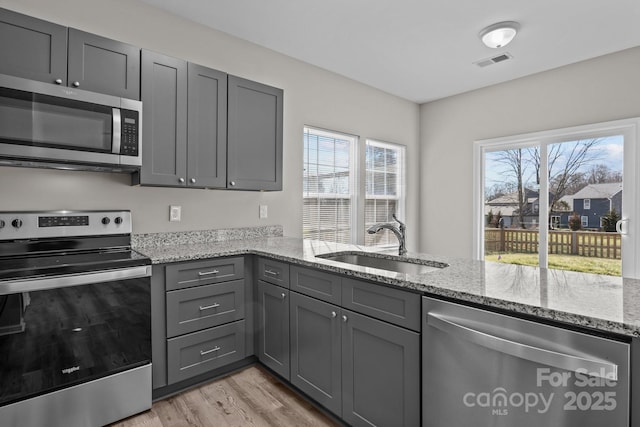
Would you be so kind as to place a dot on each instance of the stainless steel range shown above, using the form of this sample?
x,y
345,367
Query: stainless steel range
x,y
75,319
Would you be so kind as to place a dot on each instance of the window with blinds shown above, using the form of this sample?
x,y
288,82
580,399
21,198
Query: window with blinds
x,y
384,189
328,186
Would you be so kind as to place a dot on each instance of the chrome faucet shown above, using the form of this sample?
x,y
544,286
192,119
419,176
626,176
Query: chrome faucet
x,y
398,231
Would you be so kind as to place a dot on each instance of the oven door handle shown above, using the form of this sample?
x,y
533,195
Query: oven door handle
x,y
63,281
593,366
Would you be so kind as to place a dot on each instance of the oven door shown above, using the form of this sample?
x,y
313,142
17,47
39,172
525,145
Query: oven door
x,y
58,332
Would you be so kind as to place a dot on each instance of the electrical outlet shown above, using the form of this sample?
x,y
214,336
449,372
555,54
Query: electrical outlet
x,y
175,213
264,213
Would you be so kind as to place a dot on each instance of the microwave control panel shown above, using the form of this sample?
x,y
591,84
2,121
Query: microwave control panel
x,y
129,143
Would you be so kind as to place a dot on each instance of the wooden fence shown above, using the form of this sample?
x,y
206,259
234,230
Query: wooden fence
x,y
585,243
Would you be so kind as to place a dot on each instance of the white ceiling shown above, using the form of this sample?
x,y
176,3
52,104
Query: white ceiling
x,y
423,50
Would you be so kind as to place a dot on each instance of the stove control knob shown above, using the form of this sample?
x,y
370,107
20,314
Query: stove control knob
x,y
17,223
1,223
106,220
118,220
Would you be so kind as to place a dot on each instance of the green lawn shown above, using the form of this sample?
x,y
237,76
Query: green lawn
x,y
611,267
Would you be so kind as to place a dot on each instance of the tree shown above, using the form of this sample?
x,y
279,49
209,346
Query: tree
x,y
575,222
610,220
514,161
564,162
490,217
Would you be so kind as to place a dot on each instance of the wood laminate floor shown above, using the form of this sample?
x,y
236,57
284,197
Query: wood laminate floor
x,y
251,397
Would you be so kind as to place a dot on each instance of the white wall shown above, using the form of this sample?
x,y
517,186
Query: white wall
x,y
598,90
313,96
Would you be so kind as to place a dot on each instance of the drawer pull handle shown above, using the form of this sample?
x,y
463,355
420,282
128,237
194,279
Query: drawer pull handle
x,y
204,352
333,314
207,307
207,273
271,272
283,295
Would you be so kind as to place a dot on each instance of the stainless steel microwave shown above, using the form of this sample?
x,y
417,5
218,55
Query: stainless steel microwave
x,y
45,125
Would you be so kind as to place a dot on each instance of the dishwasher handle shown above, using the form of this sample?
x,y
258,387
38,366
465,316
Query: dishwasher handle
x,y
569,362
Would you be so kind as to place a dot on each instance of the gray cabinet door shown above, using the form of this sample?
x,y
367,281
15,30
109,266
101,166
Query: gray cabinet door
x,y
32,48
273,327
316,350
207,128
380,373
254,138
103,65
164,123
318,284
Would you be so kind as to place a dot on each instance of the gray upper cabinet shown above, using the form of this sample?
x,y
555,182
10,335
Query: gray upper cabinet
x,y
273,327
40,50
164,121
207,127
184,124
103,65
32,48
380,373
254,138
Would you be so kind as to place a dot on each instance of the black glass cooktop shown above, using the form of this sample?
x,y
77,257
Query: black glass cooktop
x,y
59,256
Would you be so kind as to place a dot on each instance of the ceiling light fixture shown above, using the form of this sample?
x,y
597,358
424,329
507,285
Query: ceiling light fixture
x,y
500,34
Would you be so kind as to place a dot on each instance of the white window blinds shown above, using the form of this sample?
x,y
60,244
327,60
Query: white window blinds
x,y
328,185
384,179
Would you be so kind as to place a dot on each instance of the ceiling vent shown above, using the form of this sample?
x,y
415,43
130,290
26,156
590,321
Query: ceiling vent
x,y
494,60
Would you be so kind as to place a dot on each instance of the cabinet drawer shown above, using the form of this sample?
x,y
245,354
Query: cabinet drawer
x,y
275,272
193,309
324,286
199,352
181,276
391,305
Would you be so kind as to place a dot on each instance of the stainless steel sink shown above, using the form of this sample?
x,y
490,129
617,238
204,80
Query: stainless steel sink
x,y
385,262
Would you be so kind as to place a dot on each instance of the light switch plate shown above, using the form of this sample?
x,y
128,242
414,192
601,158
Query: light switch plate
x,y
175,213
264,213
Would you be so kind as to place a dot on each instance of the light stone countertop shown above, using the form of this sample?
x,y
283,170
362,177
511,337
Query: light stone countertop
x,y
604,303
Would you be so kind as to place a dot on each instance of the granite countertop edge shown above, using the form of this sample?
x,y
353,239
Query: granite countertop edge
x,y
429,284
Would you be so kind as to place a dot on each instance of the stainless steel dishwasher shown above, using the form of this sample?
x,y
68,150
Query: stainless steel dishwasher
x,y
486,369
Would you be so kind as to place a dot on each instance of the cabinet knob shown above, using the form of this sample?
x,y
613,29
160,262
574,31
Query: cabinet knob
x,y
181,180
193,180
284,295
232,183
76,84
58,81
344,319
334,314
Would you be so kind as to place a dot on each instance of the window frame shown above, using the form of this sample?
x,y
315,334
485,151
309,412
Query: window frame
x,y
586,204
628,128
584,221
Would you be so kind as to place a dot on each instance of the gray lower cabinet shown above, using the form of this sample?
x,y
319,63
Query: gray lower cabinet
x,y
380,373
40,50
200,318
196,353
254,139
273,327
363,369
316,353
32,48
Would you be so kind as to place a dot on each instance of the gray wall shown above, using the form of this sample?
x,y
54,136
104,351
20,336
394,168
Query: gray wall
x,y
313,96
598,90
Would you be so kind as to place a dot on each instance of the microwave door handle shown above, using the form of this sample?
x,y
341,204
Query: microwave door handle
x,y
116,121
569,362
